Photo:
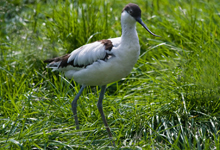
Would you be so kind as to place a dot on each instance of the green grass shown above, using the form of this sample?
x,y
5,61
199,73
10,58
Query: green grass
x,y
169,101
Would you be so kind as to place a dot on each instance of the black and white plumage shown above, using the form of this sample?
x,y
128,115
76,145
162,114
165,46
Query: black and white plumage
x,y
104,61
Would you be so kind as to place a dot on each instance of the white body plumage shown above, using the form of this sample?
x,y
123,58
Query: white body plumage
x,y
96,70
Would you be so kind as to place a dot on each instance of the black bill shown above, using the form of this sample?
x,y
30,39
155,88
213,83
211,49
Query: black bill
x,y
141,22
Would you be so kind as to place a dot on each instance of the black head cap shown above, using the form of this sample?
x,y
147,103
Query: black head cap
x,y
133,9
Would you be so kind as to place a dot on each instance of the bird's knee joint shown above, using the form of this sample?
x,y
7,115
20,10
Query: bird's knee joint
x,y
99,105
74,104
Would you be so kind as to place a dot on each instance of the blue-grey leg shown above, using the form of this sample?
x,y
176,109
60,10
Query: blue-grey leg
x,y
99,105
74,106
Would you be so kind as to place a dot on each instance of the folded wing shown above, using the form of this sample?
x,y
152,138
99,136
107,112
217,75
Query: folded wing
x,y
83,56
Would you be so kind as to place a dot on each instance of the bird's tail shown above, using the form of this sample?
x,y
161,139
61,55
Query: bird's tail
x,y
53,64
58,63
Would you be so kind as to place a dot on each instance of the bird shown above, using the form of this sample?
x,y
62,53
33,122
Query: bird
x,y
103,62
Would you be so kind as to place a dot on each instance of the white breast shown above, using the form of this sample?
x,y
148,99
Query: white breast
x,y
104,72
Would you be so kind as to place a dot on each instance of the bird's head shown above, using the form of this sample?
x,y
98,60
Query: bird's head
x,y
132,13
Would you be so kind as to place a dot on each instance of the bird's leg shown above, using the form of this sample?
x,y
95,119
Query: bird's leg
x,y
74,106
99,105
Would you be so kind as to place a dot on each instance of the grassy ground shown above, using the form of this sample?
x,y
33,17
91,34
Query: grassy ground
x,y
171,100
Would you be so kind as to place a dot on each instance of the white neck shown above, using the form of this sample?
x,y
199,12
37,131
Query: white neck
x,y
129,33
